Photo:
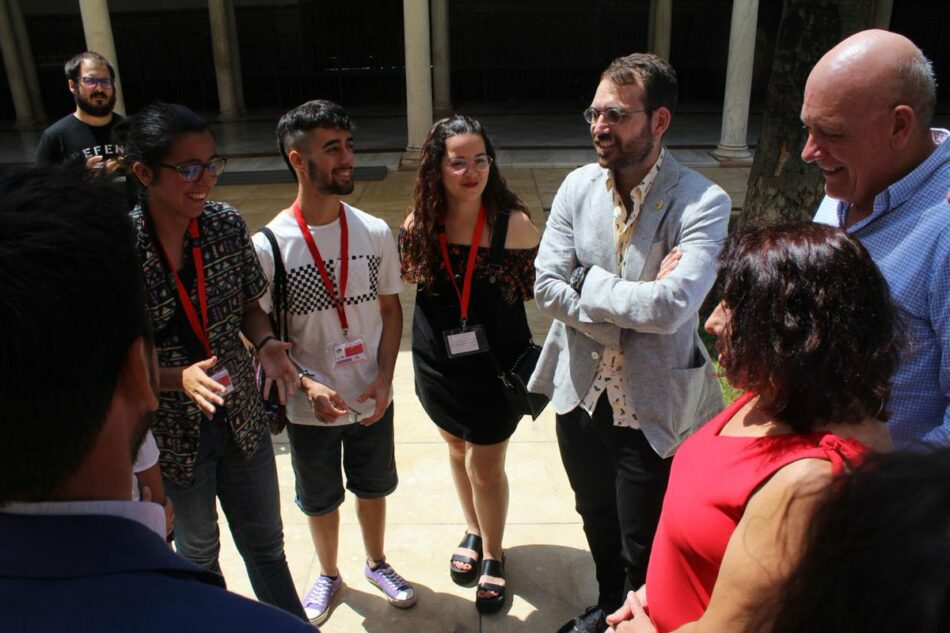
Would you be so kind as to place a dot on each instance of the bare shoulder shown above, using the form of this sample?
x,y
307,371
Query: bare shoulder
x,y
407,223
803,480
522,233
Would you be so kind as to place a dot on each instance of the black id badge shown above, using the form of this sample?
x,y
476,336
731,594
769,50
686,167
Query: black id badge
x,y
470,339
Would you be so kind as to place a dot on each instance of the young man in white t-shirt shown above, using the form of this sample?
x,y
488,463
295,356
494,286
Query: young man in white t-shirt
x,y
345,349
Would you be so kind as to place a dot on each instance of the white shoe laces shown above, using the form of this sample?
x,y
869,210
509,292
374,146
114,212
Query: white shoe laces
x,y
320,592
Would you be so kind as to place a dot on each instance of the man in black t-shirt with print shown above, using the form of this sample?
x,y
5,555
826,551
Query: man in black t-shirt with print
x,y
85,134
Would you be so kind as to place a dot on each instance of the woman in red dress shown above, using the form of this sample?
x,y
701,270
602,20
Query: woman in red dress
x,y
806,329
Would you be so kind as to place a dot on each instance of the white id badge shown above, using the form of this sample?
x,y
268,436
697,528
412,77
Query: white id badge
x,y
347,352
223,378
467,340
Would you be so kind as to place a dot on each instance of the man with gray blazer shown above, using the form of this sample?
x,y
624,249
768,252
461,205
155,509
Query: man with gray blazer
x,y
627,257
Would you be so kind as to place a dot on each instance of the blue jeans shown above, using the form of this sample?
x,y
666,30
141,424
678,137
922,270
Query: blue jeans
x,y
249,497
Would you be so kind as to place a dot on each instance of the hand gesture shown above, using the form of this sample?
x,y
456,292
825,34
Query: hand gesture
x,y
379,392
278,369
198,386
631,617
669,263
326,403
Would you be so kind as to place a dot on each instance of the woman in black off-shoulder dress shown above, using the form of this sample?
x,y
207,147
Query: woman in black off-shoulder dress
x,y
461,202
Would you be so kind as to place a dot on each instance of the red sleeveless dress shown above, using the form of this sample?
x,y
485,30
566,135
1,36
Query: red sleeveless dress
x,y
711,480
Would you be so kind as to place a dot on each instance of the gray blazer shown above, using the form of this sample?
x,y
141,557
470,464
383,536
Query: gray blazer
x,y
669,375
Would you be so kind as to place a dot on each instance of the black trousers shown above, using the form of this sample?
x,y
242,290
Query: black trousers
x,y
619,483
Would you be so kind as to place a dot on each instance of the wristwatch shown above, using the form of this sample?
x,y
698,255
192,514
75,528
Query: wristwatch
x,y
578,277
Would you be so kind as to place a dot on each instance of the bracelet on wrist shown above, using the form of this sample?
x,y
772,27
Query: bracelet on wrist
x,y
264,340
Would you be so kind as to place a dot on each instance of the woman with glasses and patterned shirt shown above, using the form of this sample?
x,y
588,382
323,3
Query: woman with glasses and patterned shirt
x,y
469,319
202,281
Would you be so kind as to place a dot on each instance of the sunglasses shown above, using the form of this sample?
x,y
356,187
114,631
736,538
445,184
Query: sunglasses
x,y
613,116
92,82
191,172
459,166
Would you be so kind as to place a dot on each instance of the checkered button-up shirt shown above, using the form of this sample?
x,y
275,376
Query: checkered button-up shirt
x,y
610,374
908,236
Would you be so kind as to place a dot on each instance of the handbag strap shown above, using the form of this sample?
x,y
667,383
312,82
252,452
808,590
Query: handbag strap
x,y
499,236
278,295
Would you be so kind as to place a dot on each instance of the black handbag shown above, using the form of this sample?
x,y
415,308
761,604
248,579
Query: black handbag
x,y
515,381
515,378
274,412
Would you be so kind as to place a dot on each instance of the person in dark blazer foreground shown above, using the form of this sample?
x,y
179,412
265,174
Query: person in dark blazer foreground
x,y
79,383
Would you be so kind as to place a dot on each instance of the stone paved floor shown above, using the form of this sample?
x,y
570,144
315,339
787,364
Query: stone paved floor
x,y
550,573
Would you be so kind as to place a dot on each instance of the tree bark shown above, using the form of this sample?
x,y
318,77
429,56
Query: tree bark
x,y
781,187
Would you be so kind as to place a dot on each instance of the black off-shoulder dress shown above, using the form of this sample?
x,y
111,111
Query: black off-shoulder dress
x,y
463,395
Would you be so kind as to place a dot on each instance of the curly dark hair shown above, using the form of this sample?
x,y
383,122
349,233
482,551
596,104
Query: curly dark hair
x,y
876,555
421,260
812,327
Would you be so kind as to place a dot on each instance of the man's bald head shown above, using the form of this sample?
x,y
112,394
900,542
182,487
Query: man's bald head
x,y
880,69
867,108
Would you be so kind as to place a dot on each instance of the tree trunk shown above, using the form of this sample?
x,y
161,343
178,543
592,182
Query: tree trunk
x,y
782,188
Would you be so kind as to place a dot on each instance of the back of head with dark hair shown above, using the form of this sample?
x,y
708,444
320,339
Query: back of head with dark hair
x,y
876,556
72,65
652,73
812,327
293,127
71,304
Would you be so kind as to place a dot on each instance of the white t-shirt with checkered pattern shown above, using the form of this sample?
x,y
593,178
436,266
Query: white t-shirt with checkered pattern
x,y
313,321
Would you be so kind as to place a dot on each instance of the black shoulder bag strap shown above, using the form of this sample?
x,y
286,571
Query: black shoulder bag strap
x,y
278,294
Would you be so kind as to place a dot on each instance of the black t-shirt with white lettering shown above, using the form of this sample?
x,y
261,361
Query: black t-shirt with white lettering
x,y
69,139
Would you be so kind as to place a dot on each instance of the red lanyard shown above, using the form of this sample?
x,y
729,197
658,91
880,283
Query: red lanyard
x,y
200,327
344,261
466,293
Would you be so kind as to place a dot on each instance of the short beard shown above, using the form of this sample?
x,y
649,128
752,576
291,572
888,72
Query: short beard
x,y
92,109
328,187
635,151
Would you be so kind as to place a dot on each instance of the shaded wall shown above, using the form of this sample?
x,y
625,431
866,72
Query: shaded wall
x,y
527,54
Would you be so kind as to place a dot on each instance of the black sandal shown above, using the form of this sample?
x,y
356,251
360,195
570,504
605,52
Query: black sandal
x,y
464,577
491,604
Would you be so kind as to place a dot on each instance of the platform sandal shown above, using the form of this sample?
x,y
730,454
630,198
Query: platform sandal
x,y
464,577
492,603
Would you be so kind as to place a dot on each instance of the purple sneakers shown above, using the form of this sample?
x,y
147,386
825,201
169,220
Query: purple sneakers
x,y
398,591
316,604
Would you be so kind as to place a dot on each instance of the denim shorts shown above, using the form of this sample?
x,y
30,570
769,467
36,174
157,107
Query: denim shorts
x,y
368,459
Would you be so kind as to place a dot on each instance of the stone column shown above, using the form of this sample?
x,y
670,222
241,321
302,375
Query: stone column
x,y
27,61
418,79
441,58
236,57
882,13
735,107
19,89
223,60
98,30
662,14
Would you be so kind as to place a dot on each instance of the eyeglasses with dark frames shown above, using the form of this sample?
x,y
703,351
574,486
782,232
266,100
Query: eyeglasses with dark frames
x,y
191,172
459,166
92,82
613,116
